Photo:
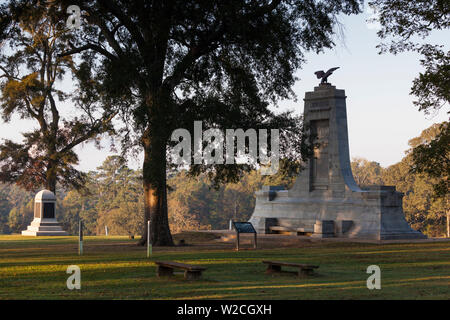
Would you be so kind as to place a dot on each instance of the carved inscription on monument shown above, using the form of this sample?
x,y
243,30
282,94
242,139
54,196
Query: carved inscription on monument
x,y
319,173
49,210
320,105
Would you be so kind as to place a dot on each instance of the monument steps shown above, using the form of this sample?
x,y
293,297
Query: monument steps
x,y
44,228
44,233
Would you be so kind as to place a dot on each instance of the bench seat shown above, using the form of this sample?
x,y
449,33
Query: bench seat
x,y
191,272
303,269
292,230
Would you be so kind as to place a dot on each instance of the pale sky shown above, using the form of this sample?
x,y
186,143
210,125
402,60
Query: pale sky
x,y
381,115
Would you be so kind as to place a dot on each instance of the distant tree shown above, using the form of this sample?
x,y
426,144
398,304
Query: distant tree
x,y
78,205
12,197
15,220
431,155
193,200
223,62
366,172
237,200
180,219
30,69
20,217
422,208
5,208
119,192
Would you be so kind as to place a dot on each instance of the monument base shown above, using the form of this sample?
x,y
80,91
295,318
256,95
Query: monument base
x,y
366,214
44,227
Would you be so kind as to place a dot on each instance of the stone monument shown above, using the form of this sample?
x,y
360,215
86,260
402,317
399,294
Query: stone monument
x,y
325,200
44,222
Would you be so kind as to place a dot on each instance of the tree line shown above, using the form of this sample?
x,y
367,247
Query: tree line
x,y
113,197
425,205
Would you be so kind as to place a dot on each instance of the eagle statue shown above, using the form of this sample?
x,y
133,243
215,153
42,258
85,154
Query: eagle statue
x,y
324,75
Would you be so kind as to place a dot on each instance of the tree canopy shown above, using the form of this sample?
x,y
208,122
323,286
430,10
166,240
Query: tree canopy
x,y
405,26
431,155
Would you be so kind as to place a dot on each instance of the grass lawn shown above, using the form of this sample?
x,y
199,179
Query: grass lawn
x,y
115,268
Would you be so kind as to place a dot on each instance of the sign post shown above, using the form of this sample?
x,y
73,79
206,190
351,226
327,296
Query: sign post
x,y
149,245
80,238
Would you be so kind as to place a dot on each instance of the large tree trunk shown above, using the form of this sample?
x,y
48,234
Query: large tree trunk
x,y
155,188
155,203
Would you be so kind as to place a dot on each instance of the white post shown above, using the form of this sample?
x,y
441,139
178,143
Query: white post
x,y
80,238
149,245
106,230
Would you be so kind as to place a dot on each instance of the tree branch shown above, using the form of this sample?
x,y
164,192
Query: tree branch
x,y
91,132
208,44
109,35
126,21
89,46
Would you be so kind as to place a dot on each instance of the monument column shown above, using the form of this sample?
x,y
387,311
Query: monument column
x,y
328,172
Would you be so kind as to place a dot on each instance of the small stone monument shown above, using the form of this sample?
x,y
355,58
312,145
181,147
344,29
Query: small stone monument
x,y
44,222
325,201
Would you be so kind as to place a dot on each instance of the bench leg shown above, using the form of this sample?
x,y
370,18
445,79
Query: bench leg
x,y
305,272
192,275
164,271
273,268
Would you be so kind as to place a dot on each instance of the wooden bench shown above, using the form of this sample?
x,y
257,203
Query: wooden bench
x,y
303,269
293,231
191,272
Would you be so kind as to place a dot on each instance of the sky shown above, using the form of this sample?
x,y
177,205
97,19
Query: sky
x,y
380,112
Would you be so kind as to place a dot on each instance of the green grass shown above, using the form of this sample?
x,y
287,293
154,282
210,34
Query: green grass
x,y
115,268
